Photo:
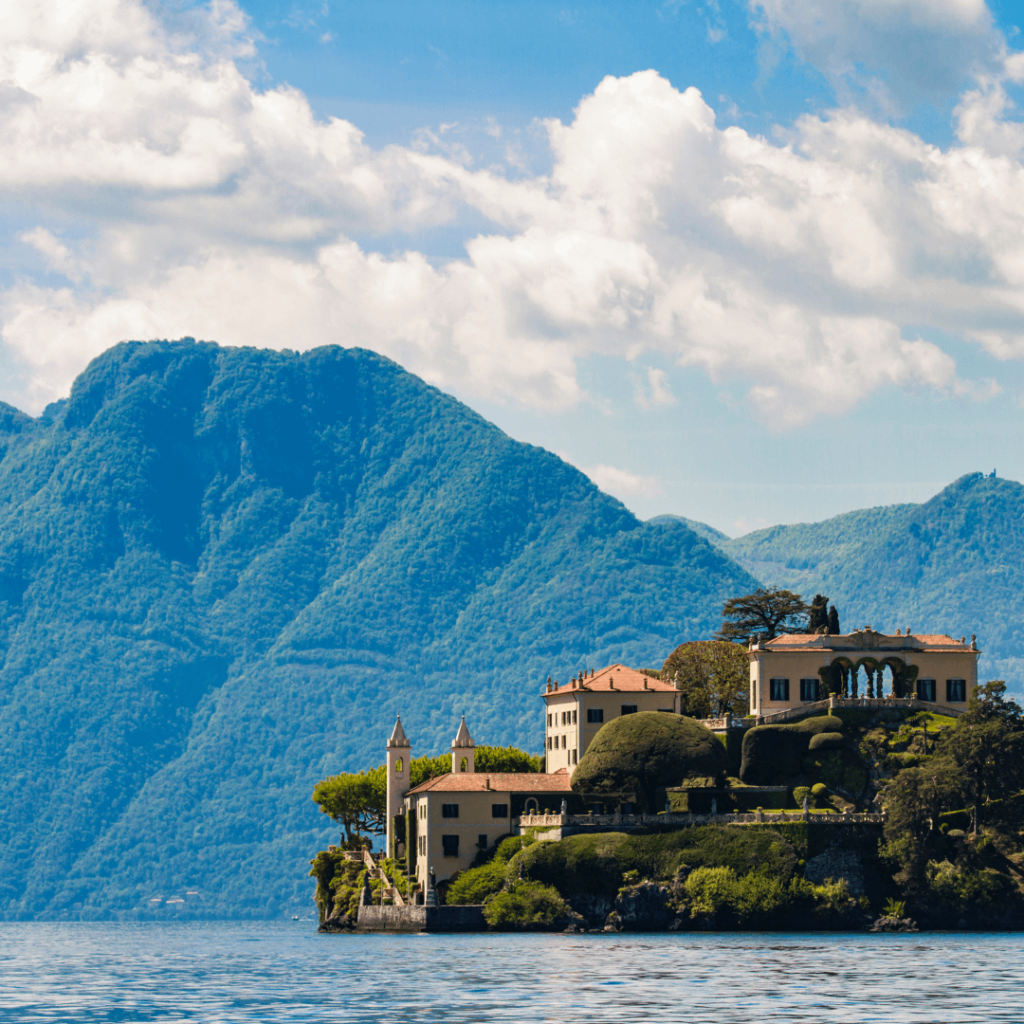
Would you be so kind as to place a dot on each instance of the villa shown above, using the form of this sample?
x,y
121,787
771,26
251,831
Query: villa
x,y
802,668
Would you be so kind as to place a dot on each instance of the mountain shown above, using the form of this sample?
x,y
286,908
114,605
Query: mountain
x,y
954,564
222,573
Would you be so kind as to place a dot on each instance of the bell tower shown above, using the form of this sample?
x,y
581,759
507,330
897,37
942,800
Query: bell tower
x,y
463,749
398,750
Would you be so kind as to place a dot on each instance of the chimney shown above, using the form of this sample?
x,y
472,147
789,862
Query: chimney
x,y
487,782
645,683
611,682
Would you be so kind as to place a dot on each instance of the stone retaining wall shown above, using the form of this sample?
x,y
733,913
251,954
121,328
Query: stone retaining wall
x,y
421,919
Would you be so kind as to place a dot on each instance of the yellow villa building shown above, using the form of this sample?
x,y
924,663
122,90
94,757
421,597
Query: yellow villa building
x,y
576,711
803,668
450,818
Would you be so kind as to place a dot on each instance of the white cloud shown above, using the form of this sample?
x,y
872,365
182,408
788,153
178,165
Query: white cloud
x,y
623,484
219,211
896,52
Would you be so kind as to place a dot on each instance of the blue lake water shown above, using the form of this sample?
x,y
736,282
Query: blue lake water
x,y
228,972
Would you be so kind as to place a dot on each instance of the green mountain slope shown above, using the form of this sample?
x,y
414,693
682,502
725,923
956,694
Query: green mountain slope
x,y
954,564
222,573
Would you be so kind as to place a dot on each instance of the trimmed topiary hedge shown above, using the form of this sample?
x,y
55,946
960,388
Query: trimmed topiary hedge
x,y
772,752
638,754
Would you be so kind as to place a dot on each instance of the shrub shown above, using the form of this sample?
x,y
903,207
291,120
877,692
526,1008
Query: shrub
x,y
525,905
771,752
710,890
958,888
476,884
508,848
819,790
826,741
637,754
894,908
799,793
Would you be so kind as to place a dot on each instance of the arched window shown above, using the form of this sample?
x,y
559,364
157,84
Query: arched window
x,y
398,766
531,806
463,765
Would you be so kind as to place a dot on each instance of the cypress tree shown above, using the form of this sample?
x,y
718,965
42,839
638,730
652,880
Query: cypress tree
x,y
833,620
819,614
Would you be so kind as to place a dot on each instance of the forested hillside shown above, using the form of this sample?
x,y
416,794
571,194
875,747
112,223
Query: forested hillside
x,y
954,564
222,573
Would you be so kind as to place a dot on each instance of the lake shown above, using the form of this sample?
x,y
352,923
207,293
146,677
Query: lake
x,y
284,971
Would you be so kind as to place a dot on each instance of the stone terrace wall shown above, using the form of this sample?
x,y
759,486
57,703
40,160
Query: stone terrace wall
x,y
421,919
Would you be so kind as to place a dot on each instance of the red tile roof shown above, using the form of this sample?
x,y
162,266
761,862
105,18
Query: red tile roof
x,y
624,678
940,642
495,782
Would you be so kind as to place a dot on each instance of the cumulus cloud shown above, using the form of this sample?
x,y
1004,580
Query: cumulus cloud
x,y
217,210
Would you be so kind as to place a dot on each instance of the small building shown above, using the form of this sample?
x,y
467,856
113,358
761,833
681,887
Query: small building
x,y
803,668
449,819
576,711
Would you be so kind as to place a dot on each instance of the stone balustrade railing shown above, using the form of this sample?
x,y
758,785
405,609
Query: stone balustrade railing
x,y
692,820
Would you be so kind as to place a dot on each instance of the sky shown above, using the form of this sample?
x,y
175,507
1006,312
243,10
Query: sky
x,y
745,261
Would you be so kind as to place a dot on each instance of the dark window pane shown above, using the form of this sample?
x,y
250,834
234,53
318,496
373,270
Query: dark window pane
x,y
499,810
926,689
956,690
449,810
450,846
595,714
778,689
629,709
810,689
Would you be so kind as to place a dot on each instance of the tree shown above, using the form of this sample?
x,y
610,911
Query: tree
x,y
355,800
505,759
637,754
987,747
763,615
818,616
913,802
713,677
833,621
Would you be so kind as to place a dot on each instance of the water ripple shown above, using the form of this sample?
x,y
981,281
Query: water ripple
x,y
283,972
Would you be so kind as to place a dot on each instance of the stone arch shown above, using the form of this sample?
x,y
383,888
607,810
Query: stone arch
x,y
871,666
835,677
531,806
399,765
464,765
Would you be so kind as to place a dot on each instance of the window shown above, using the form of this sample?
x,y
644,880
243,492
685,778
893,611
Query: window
x,y
778,689
550,743
481,841
810,689
423,844
499,810
565,718
549,721
423,810
629,709
450,846
398,766
449,810
926,689
956,691
573,716
565,742
667,711
463,765
595,714
574,757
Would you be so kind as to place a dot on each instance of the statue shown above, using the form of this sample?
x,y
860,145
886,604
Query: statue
x,y
565,806
714,807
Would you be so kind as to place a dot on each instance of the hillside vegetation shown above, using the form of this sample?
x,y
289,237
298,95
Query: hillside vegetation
x,y
222,573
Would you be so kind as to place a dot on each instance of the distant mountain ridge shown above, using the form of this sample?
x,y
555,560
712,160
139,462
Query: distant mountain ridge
x,y
223,571
953,564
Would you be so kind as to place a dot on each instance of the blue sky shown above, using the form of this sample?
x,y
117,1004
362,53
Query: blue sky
x,y
747,262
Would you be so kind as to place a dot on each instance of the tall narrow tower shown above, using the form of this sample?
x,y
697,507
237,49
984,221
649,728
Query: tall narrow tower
x,y
399,750
463,749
